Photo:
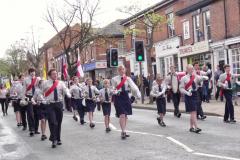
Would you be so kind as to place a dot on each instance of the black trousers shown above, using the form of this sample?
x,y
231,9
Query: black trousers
x,y
36,110
55,116
4,105
199,106
30,117
80,109
176,101
229,108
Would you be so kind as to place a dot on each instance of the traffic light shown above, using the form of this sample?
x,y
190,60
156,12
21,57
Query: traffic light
x,y
139,51
108,57
113,57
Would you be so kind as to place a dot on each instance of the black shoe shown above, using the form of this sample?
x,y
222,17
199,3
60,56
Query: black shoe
x,y
159,120
31,134
82,122
24,128
92,125
123,135
43,137
178,115
203,117
198,130
36,132
127,135
59,143
18,125
75,118
162,124
108,130
233,121
192,130
54,144
226,121
4,114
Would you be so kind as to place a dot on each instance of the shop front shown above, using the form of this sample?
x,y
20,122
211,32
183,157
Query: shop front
x,y
198,52
167,55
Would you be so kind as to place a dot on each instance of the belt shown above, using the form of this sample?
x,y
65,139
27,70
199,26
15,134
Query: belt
x,y
77,98
29,96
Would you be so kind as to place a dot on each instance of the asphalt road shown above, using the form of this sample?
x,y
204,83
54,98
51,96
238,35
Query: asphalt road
x,y
147,141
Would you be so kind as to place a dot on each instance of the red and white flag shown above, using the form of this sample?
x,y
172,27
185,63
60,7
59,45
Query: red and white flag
x,y
65,72
80,72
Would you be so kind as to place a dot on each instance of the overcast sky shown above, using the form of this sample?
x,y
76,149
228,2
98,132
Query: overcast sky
x,y
19,16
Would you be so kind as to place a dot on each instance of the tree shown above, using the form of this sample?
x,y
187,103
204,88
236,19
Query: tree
x,y
16,60
77,37
145,27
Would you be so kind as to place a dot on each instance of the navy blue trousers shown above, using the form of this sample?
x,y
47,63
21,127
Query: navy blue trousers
x,y
229,108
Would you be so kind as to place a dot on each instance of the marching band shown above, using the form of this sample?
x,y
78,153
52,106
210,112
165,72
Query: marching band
x,y
37,100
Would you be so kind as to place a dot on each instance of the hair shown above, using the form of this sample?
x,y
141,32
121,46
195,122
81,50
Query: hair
x,y
226,65
195,63
50,71
20,76
159,78
189,65
106,81
74,77
30,70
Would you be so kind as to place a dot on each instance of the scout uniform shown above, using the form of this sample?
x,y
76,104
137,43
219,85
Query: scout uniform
x,y
226,82
76,90
122,101
54,91
29,85
90,93
191,102
173,80
158,91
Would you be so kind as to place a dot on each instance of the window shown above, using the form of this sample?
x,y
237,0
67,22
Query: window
x,y
197,31
133,36
121,47
236,60
207,26
170,25
186,31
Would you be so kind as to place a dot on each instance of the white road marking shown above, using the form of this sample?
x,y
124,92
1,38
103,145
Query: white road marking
x,y
9,137
142,133
112,126
215,156
180,144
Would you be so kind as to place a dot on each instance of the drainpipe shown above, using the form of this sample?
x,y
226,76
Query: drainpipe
x,y
226,28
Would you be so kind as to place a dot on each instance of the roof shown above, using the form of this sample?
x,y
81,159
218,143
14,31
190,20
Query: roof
x,y
193,7
113,29
151,8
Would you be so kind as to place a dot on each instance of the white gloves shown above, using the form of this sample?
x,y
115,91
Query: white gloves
x,y
189,93
160,94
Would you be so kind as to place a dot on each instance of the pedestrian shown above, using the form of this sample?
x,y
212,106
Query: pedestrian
x,y
198,72
40,104
99,87
188,87
158,91
29,84
105,95
205,87
217,74
90,93
15,94
226,81
173,80
77,91
3,99
122,86
54,91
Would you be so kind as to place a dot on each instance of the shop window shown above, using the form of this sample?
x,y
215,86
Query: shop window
x,y
207,25
236,61
170,25
162,67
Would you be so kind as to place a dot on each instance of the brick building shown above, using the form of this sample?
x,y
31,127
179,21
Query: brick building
x,y
206,31
95,64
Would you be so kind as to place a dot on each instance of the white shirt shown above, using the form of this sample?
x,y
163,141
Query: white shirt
x,y
3,93
27,81
102,94
61,90
75,90
129,85
94,91
38,95
17,90
155,90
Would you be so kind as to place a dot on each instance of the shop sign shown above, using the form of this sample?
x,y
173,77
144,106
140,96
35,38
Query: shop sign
x,y
167,47
199,47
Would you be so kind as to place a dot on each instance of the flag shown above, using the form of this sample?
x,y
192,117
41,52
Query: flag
x,y
44,72
8,85
65,72
79,68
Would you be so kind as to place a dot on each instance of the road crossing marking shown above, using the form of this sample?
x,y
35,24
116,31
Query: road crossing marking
x,y
180,144
215,156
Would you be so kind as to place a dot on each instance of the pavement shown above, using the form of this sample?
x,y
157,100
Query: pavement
x,y
147,141
214,108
